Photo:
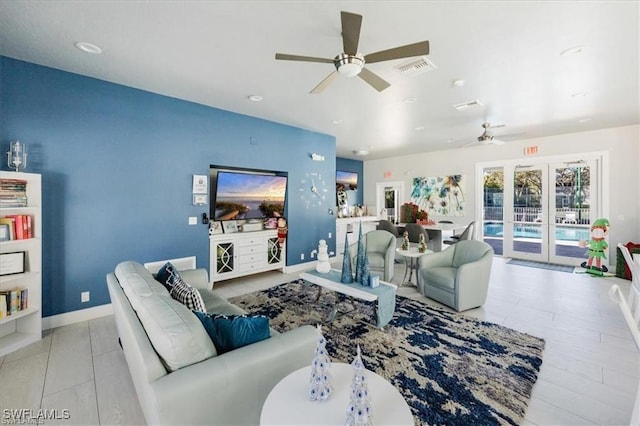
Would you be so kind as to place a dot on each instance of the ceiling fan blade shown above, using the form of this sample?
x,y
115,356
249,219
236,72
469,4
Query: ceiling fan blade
x,y
376,82
469,144
286,57
351,24
415,49
324,83
497,142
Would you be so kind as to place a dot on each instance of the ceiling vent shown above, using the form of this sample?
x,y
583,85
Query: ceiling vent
x,y
416,66
466,105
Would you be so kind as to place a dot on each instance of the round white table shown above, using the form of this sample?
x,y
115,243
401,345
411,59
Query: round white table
x,y
288,402
411,258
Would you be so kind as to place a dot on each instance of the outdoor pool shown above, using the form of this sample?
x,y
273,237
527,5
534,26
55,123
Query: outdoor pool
x,y
563,233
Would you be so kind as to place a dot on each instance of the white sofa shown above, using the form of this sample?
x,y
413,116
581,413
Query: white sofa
x,y
178,377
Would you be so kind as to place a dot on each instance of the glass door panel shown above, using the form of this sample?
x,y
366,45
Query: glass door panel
x,y
572,209
492,231
527,221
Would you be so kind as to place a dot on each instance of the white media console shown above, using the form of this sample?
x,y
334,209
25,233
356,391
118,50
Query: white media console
x,y
244,253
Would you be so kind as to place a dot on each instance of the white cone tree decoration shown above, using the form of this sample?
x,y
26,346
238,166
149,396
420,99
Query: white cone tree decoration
x,y
359,409
320,379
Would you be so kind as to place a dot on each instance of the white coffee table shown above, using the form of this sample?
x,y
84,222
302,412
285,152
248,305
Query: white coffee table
x,y
288,402
411,258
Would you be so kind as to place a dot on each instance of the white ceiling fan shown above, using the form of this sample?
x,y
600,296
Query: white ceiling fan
x,y
486,138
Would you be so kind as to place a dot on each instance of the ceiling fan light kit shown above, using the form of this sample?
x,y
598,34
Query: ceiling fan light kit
x,y
349,65
350,62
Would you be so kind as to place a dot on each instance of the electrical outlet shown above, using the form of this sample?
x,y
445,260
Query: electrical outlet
x,y
301,256
330,235
193,220
84,297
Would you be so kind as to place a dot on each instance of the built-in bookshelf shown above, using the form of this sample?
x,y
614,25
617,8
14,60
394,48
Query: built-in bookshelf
x,y
21,327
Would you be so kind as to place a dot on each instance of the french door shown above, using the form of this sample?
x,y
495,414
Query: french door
x,y
541,211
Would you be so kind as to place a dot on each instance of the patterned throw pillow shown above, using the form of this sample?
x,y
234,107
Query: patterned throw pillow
x,y
230,332
188,296
168,275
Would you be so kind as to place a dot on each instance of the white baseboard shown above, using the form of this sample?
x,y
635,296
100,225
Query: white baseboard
x,y
68,318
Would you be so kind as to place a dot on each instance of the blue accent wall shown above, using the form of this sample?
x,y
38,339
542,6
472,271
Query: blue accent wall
x,y
348,165
117,166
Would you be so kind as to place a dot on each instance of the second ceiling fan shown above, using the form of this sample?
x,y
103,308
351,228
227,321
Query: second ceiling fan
x,y
351,63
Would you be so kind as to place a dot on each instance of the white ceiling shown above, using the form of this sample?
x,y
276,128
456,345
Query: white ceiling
x,y
218,53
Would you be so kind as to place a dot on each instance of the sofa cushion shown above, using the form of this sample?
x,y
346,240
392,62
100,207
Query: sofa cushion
x,y
219,305
234,331
168,276
137,282
178,337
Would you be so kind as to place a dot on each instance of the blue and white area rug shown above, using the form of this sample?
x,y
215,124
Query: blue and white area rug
x,y
450,368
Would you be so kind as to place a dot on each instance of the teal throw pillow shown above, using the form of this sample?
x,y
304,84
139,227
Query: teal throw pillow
x,y
228,332
168,276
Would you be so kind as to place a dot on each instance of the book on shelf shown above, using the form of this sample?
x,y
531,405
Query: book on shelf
x,y
13,193
15,300
20,227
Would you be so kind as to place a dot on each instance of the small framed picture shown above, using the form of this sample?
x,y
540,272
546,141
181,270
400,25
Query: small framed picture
x,y
12,263
215,227
230,226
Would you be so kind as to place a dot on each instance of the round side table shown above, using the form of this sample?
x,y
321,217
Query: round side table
x,y
288,402
411,258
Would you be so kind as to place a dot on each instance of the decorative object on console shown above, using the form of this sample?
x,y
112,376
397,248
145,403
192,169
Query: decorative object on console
x,y
17,156
282,230
359,409
215,227
321,388
347,275
230,226
323,266
374,281
441,195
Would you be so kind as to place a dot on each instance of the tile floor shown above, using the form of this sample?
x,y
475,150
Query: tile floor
x,y
589,372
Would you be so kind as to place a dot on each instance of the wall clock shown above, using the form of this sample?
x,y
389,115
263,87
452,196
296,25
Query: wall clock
x,y
313,190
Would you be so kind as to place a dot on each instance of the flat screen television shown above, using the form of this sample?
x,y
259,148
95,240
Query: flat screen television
x,y
246,194
346,181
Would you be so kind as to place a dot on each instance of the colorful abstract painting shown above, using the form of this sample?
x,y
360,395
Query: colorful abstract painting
x,y
439,196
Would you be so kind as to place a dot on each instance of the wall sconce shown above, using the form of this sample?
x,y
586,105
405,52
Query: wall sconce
x,y
17,156
317,157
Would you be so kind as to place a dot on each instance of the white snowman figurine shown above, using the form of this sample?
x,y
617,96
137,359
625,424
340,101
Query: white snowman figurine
x,y
323,266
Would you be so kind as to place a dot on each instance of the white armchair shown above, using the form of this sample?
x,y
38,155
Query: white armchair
x,y
380,246
458,276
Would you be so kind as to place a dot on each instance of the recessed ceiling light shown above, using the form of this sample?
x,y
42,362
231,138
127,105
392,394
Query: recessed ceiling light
x,y
256,98
409,100
450,140
336,121
419,128
360,152
458,83
572,51
579,94
88,47
584,120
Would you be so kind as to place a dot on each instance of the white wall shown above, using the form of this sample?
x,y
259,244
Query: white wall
x,y
621,143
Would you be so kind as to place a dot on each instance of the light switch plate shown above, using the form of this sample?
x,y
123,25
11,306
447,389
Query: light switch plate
x,y
193,220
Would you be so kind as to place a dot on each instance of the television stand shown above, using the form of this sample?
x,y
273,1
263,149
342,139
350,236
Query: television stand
x,y
245,253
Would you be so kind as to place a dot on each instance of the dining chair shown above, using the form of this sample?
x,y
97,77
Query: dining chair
x,y
467,234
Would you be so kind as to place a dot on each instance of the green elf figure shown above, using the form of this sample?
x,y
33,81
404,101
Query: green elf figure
x,y
597,245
